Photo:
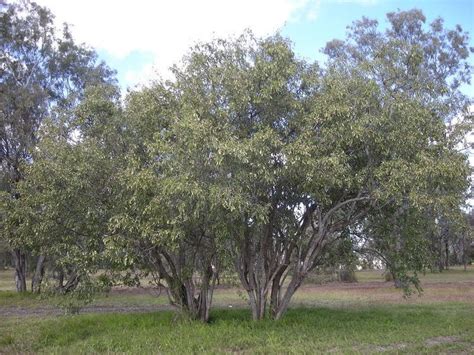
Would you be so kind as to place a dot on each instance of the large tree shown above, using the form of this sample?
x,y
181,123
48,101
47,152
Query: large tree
x,y
426,64
384,115
301,157
42,69
170,224
253,157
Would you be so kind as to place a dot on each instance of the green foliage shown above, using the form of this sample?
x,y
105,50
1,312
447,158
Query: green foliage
x,y
249,158
43,74
40,69
73,301
420,120
67,194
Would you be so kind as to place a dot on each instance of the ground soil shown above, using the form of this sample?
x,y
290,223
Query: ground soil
x,y
376,291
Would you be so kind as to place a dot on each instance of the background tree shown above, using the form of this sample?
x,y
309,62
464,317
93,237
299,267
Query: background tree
x,y
428,66
67,194
41,68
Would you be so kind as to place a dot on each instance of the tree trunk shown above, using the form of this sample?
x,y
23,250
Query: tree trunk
x,y
60,279
280,309
257,291
256,263
261,303
446,258
38,275
195,307
464,258
440,256
182,291
20,270
275,294
398,283
72,281
204,300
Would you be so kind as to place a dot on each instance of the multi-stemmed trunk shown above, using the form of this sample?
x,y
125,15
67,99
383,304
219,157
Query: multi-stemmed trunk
x,y
67,281
266,289
302,264
281,302
192,297
192,301
266,258
258,263
20,270
263,270
37,278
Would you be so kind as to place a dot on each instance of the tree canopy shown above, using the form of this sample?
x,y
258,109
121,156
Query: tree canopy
x,y
255,161
42,73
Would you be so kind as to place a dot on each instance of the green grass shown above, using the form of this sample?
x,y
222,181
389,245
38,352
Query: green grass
x,y
391,328
368,317
326,295
24,300
7,281
454,274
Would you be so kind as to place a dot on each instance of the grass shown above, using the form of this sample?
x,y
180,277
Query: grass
x,y
371,289
423,329
368,317
453,274
7,281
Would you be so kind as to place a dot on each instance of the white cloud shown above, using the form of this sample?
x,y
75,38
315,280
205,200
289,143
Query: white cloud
x,y
357,2
142,75
312,10
167,28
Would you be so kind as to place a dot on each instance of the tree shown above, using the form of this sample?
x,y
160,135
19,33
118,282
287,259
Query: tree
x,y
253,157
427,65
388,98
41,69
170,222
67,194
301,157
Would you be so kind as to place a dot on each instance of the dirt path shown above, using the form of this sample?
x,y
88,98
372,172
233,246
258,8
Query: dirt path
x,y
371,285
373,292
53,311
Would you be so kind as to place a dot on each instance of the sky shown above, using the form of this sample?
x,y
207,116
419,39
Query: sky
x,y
141,39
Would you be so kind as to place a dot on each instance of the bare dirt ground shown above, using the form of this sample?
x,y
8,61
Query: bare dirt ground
x,y
51,310
144,299
385,292
452,286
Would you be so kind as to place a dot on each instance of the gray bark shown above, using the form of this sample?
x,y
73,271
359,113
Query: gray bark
x,y
183,293
263,261
446,257
37,278
295,283
20,270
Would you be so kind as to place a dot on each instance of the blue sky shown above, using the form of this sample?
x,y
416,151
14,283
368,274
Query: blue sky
x,y
143,40
334,16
